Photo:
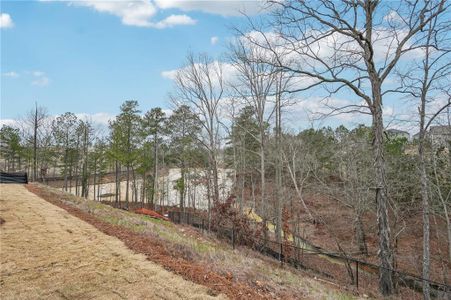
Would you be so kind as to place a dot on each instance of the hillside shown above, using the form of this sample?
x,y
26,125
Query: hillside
x,y
48,253
202,259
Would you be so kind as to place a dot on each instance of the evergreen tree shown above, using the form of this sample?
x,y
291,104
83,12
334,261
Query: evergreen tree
x,y
125,139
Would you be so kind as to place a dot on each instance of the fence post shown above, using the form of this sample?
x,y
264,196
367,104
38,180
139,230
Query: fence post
x,y
280,254
302,253
357,274
233,237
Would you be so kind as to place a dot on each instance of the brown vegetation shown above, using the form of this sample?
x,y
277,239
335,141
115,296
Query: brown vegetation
x,y
240,274
48,254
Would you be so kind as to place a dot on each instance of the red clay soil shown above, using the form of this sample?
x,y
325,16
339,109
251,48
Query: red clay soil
x,y
339,219
158,253
151,213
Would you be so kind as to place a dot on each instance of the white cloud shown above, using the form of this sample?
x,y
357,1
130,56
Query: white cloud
x,y
41,81
228,72
134,13
174,20
6,21
138,13
326,110
168,111
222,7
100,118
388,111
333,49
141,12
39,78
169,74
38,73
9,122
393,16
214,40
11,74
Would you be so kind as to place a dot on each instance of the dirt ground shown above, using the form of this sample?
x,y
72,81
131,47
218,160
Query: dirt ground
x,y
173,257
48,253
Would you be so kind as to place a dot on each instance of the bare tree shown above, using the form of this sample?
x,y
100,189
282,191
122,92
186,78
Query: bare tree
x,y
354,155
255,83
46,151
354,46
426,80
200,86
34,120
297,160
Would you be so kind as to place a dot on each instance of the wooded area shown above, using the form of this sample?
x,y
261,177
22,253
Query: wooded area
x,y
223,121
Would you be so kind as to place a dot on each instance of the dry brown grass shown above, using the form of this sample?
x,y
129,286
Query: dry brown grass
x,y
47,253
248,270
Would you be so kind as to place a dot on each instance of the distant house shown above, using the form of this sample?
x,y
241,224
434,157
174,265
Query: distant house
x,y
438,135
396,134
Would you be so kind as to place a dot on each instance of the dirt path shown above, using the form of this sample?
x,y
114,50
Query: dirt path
x,y
47,253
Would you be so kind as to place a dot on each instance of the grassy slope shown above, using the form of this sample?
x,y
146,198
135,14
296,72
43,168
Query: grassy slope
x,y
48,253
242,265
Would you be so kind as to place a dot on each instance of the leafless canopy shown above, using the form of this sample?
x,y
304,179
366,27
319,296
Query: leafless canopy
x,y
343,45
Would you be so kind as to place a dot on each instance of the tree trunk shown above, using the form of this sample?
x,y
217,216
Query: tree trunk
x,y
425,198
254,200
299,190
65,167
35,145
182,190
262,191
143,192
76,180
360,235
278,171
243,174
209,199
426,227
215,178
116,198
385,251
98,188
95,178
70,175
136,187
155,169
127,186
235,165
77,161
85,177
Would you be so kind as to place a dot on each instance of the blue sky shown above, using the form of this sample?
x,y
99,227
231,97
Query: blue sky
x,y
87,60
89,56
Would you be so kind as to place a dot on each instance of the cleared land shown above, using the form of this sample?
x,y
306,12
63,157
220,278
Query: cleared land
x,y
200,258
48,253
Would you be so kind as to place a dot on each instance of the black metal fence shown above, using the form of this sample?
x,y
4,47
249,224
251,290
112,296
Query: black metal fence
x,y
17,177
339,267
